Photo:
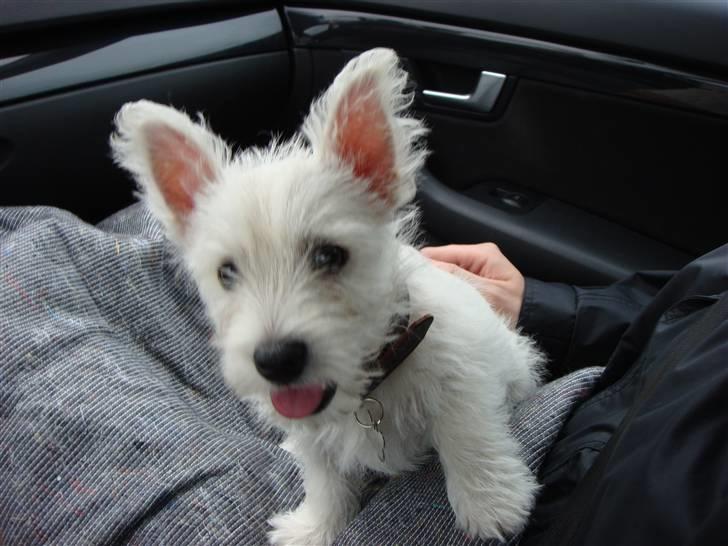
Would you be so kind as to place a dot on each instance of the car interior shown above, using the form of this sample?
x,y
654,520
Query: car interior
x,y
584,139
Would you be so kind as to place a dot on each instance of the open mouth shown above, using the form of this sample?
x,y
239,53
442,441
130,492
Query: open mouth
x,y
299,401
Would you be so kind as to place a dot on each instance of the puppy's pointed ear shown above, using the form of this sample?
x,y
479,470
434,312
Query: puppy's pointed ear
x,y
172,158
359,123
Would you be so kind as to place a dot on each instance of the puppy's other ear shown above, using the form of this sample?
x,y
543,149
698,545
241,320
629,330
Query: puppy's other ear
x,y
359,123
172,158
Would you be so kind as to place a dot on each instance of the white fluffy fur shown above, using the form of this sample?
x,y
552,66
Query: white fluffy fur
x,y
454,392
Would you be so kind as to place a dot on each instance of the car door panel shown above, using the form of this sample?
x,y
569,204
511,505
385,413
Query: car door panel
x,y
129,52
687,33
595,143
554,241
57,104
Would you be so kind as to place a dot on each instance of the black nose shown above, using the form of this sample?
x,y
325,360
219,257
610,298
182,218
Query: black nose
x,y
281,360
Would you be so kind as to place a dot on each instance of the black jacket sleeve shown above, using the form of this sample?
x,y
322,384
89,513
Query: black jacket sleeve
x,y
579,327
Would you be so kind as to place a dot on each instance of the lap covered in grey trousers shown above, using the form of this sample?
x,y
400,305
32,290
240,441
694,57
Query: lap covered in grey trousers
x,y
116,427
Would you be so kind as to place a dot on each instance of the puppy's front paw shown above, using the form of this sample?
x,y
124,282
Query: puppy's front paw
x,y
298,528
496,510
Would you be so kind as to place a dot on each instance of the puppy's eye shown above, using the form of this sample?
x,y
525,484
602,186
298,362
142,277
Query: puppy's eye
x,y
227,273
330,258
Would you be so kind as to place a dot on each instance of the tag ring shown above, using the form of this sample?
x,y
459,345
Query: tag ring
x,y
373,423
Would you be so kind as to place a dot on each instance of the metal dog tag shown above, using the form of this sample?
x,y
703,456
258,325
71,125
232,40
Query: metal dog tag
x,y
374,415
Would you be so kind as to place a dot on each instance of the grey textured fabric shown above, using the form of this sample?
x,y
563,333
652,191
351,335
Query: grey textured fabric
x,y
115,425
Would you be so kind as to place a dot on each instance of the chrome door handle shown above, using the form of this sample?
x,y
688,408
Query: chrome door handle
x,y
481,100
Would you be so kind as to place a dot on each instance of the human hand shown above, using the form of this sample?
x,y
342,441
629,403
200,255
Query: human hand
x,y
488,270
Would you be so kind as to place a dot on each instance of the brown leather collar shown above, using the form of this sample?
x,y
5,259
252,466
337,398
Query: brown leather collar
x,y
396,351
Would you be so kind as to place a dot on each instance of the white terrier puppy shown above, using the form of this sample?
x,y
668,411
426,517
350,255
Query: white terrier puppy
x,y
300,252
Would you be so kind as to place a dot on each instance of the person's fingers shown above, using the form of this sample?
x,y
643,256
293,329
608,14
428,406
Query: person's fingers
x,y
478,259
441,253
463,255
450,253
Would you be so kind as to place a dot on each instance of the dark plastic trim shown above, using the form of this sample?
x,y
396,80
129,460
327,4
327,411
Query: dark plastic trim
x,y
510,55
23,15
684,34
553,241
126,53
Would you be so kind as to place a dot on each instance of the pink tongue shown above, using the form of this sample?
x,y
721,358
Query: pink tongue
x,y
297,402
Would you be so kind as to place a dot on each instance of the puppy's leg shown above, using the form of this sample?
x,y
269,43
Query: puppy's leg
x,y
490,488
331,501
